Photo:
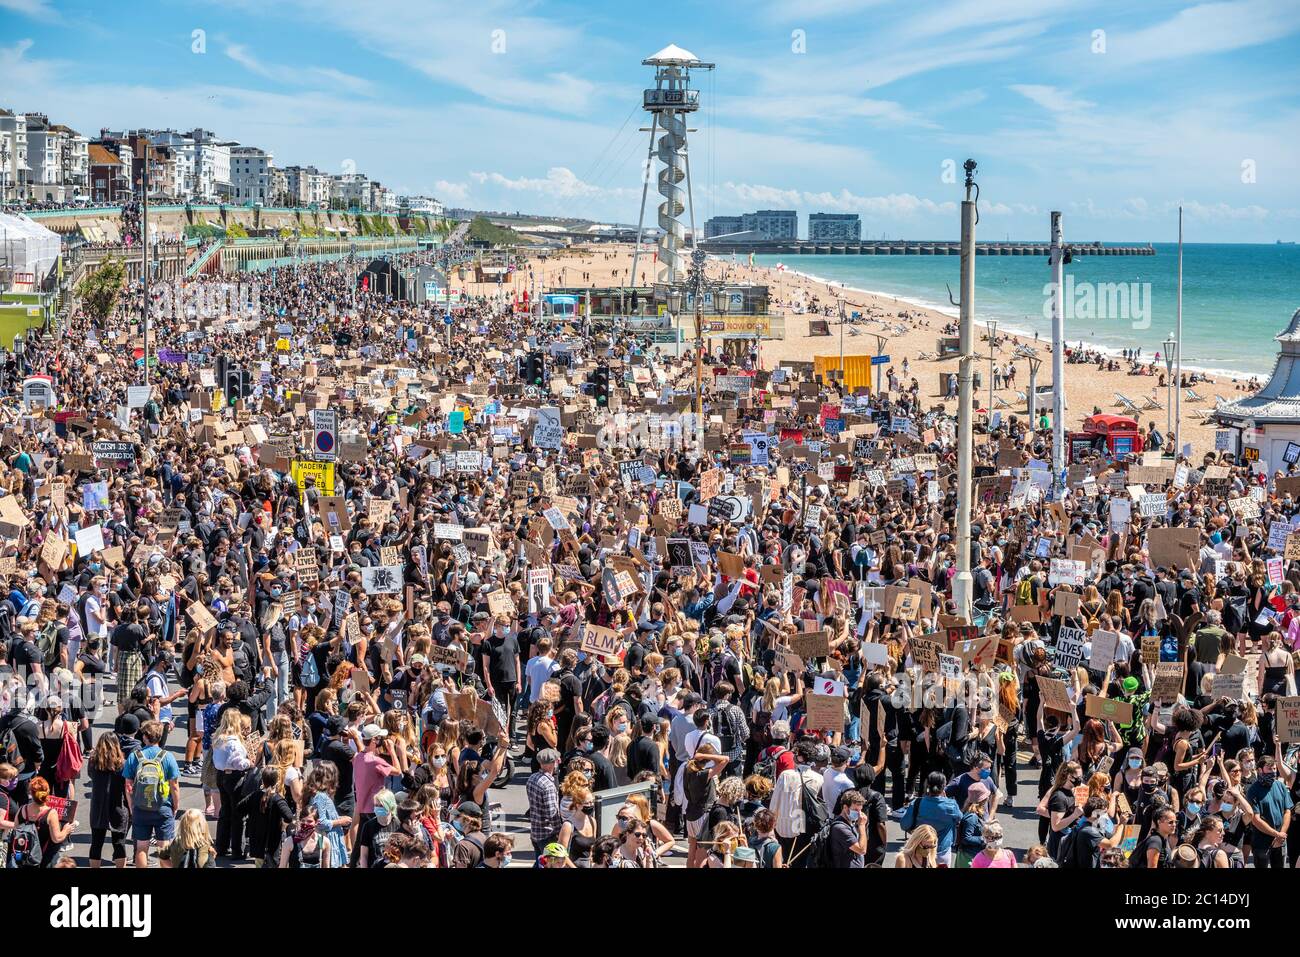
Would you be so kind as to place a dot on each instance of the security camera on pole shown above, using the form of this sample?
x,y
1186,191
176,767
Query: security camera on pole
x,y
1057,257
962,585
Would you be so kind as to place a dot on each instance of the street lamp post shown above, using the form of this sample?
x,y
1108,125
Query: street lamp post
x,y
1034,363
841,342
1170,344
881,339
993,344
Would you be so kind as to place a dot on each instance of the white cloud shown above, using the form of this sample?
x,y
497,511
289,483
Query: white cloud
x,y
35,9
1050,98
1138,210
1008,209
456,44
827,107
1208,28
297,76
891,206
560,182
457,193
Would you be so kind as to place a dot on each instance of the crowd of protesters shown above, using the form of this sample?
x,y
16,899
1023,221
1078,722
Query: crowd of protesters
x,y
511,565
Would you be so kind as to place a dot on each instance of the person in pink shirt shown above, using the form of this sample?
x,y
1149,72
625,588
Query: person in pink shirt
x,y
370,767
994,854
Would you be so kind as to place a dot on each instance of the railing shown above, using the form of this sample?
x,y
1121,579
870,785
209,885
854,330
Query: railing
x,y
204,257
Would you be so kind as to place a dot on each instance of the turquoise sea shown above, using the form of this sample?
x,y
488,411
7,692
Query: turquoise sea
x,y
1236,298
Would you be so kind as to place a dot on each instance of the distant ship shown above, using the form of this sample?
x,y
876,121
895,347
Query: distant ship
x,y
1286,242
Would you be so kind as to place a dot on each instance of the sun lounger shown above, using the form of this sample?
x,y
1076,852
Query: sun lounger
x,y
1126,403
1000,403
1022,396
1193,396
1149,402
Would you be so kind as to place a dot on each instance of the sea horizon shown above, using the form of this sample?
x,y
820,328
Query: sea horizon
x,y
1253,286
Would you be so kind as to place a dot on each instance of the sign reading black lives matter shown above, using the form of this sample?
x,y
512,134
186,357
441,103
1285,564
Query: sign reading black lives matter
x,y
113,454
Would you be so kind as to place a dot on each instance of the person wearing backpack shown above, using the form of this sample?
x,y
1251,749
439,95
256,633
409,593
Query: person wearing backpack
x,y
846,844
1209,844
1082,844
153,780
20,746
38,835
61,750
938,811
797,804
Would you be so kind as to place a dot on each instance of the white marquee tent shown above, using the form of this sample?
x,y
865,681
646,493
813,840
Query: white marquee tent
x,y
28,251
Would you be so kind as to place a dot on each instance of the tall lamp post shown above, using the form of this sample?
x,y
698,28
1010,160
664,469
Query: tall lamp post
x,y
696,282
993,344
1034,363
1170,345
881,339
841,341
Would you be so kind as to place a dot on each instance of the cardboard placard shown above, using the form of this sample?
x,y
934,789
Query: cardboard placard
x,y
1288,719
598,640
1066,604
1055,694
811,644
1108,709
1168,684
824,712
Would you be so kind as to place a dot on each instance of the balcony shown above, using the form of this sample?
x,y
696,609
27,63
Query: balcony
x,y
671,100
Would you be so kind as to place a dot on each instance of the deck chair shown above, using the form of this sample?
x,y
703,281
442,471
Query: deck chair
x,y
854,332
1193,396
1200,415
1022,396
1125,403
1149,402
1000,403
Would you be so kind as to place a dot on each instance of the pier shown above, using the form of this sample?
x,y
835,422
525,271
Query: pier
x,y
890,247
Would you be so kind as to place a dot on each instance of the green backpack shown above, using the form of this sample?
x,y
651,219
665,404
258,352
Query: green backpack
x,y
151,786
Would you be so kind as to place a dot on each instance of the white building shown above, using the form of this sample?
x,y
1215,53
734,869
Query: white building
x,y
44,159
835,227
772,223
250,175
420,205
14,172
211,167
350,190
76,163
1268,421
183,153
307,186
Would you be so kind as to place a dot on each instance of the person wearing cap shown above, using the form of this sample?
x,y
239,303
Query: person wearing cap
x,y
467,826
160,700
544,818
835,779
369,769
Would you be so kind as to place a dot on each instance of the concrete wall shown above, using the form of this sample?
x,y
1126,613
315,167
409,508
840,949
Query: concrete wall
x,y
174,219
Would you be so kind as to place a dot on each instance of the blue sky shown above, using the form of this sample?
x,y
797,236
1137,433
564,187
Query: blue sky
x,y
830,105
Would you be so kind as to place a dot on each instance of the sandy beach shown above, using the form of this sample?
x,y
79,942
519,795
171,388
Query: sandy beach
x,y
912,330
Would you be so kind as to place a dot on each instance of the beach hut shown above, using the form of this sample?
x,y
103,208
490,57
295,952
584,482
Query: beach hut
x,y
1268,422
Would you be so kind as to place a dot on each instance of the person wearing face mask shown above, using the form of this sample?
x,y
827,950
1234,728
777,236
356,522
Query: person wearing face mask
x,y
496,850
1060,806
578,832
847,844
500,651
1269,814
1082,847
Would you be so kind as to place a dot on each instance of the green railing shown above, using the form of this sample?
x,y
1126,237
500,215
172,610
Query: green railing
x,y
197,266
